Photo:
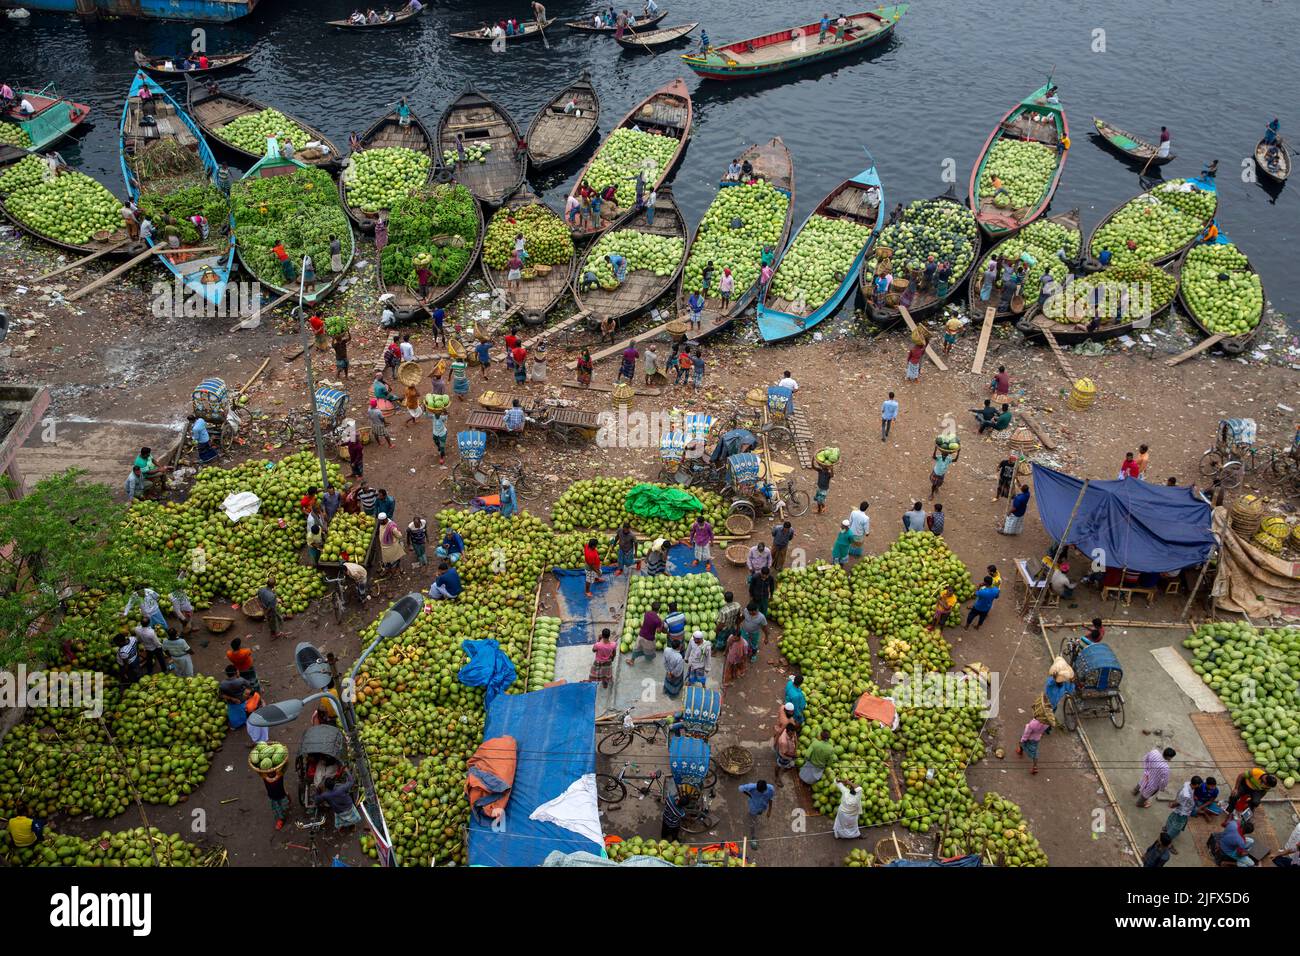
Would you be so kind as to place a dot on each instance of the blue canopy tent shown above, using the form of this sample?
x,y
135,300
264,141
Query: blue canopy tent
x,y
1136,525
555,730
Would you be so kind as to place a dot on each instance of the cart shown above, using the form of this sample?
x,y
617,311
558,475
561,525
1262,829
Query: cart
x,y
492,423
1097,675
322,752
700,711
689,759
753,492
211,399
672,449
569,425
780,413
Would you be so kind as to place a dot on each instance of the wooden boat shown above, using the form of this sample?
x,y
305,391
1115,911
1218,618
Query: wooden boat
x,y
205,274
402,19
216,64
1033,324
852,199
667,111
771,161
212,108
794,46
1032,120
1283,169
269,166
1138,150
478,120
531,31
652,39
925,304
388,132
11,154
555,136
1069,220
642,23
1237,343
51,119
535,297
406,304
111,245
1207,185
642,288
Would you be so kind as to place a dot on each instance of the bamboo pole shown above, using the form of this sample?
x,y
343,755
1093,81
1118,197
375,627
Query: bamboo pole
x,y
1060,548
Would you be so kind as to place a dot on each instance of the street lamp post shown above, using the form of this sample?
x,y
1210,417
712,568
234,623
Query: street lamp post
x,y
301,314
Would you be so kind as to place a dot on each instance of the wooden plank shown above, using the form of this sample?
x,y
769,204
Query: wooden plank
x,y
602,387
113,274
1034,427
558,327
803,437
80,262
930,352
986,332
1197,349
623,343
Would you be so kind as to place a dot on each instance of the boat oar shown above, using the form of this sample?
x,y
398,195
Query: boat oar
x,y
643,44
541,28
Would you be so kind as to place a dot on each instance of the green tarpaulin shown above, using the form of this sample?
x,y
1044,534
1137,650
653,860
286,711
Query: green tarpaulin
x,y
651,501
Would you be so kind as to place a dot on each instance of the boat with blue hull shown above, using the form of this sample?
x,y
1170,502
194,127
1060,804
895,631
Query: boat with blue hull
x,y
202,11
860,200
158,125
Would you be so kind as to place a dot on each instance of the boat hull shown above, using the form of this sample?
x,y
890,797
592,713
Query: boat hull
x,y
202,11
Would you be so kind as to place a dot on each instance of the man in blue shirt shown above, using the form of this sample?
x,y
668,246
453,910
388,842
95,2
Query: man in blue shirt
x,y
439,317
452,547
760,797
795,695
675,622
199,431
1015,519
618,264
447,586
984,599
822,27
514,417
888,412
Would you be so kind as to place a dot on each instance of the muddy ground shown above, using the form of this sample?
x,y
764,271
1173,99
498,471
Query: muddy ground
x,y
113,366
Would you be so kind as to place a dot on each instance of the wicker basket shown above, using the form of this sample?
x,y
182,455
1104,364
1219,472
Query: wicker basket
x,y
456,350
493,400
736,760
756,397
278,768
737,554
740,524
218,625
409,373
252,608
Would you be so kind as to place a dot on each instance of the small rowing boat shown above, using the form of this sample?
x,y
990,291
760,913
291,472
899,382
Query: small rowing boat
x,y
214,108
801,45
388,132
400,20
943,224
772,163
786,308
1138,150
652,39
166,65
665,112
51,119
564,125
1043,241
1172,194
429,221
1279,169
588,25
530,31
479,142
535,296
1033,123
642,287
163,152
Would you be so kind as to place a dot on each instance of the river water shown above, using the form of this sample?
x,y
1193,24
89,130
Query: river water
x,y
1214,73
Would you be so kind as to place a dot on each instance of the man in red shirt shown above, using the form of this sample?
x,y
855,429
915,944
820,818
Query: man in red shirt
x,y
520,356
286,267
318,329
1001,384
242,658
512,343
1130,468
308,501
591,559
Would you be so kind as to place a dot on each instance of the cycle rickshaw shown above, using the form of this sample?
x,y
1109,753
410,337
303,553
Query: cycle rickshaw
x,y
1097,675
210,401
322,753
753,494
689,759
683,457
474,478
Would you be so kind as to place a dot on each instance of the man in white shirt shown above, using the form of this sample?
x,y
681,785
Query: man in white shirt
x,y
25,107
408,350
914,520
788,382
859,527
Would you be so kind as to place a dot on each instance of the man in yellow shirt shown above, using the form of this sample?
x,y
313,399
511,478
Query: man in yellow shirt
x,y
943,607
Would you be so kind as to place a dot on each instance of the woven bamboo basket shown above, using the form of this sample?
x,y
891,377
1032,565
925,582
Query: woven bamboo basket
x,y
737,554
736,760
409,373
1082,395
1246,515
252,608
278,768
740,524
456,350
218,625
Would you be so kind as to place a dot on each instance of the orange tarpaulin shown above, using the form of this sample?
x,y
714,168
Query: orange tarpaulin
x,y
875,708
490,774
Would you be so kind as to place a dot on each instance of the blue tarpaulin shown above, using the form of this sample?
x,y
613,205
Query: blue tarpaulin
x,y
488,667
556,732
971,860
1135,524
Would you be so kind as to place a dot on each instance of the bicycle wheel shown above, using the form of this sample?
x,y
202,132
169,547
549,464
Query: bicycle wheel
x,y
743,507
610,791
1069,714
339,604
711,778
1233,474
1212,463
1117,711
780,431
798,502
613,744
699,822
464,485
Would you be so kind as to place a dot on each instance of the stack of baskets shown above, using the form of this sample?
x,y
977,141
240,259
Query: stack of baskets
x,y
1023,441
623,394
1246,515
1082,395
1273,533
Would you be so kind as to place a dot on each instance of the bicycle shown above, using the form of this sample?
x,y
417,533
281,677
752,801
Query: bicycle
x,y
616,741
311,826
339,597
473,479
785,496
612,790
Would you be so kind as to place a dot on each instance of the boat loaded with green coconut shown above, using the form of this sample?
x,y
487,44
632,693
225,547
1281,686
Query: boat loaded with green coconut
x,y
284,205
1020,165
172,175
